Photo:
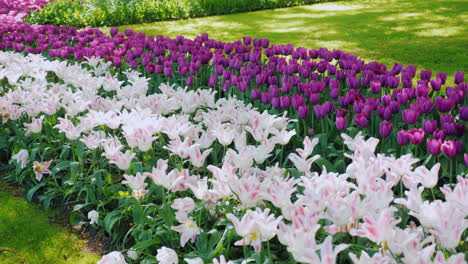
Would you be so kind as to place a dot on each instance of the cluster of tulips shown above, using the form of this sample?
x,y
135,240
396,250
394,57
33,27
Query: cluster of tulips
x,y
178,175
328,90
14,11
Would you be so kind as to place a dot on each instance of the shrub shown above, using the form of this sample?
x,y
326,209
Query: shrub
x,y
120,12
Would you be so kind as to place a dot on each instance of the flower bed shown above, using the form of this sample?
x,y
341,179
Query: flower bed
x,y
182,174
328,91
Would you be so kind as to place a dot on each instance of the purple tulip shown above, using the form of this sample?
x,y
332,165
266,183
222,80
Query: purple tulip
x,y
117,61
458,146
168,72
459,77
227,84
360,120
422,90
445,119
266,98
340,75
241,86
311,132
334,84
352,82
426,75
460,129
436,84
385,129
393,82
386,99
449,148
212,81
314,98
396,69
274,90
433,146
439,134
275,101
416,136
376,87
285,102
403,137
442,76
410,116
134,64
303,111
425,104
429,126
367,110
340,123
341,112
256,94
297,101
319,111
114,31
449,128
444,105
189,80
465,157
334,93
464,113
402,98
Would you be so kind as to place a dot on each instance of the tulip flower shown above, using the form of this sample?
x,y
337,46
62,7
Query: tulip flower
x,y
255,227
41,168
21,157
403,137
115,257
167,256
410,116
303,111
444,105
429,126
360,120
442,76
416,135
433,146
375,87
459,77
426,75
465,158
385,129
340,123
449,148
464,113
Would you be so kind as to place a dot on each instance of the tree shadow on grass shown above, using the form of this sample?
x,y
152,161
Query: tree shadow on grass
x,y
26,236
429,34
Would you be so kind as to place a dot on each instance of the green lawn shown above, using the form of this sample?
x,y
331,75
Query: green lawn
x,y
27,236
431,34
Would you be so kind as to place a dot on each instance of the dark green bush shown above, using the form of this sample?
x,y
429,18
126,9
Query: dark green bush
x,y
96,13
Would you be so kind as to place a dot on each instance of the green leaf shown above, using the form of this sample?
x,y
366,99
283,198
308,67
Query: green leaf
x,y
111,219
75,218
138,212
146,244
324,162
33,190
79,206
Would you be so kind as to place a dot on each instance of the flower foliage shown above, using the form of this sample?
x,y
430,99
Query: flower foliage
x,y
176,173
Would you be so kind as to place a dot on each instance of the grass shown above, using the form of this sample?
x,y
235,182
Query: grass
x,y
429,34
27,236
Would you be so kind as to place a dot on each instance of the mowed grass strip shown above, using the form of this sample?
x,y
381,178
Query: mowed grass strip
x,y
27,236
429,34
